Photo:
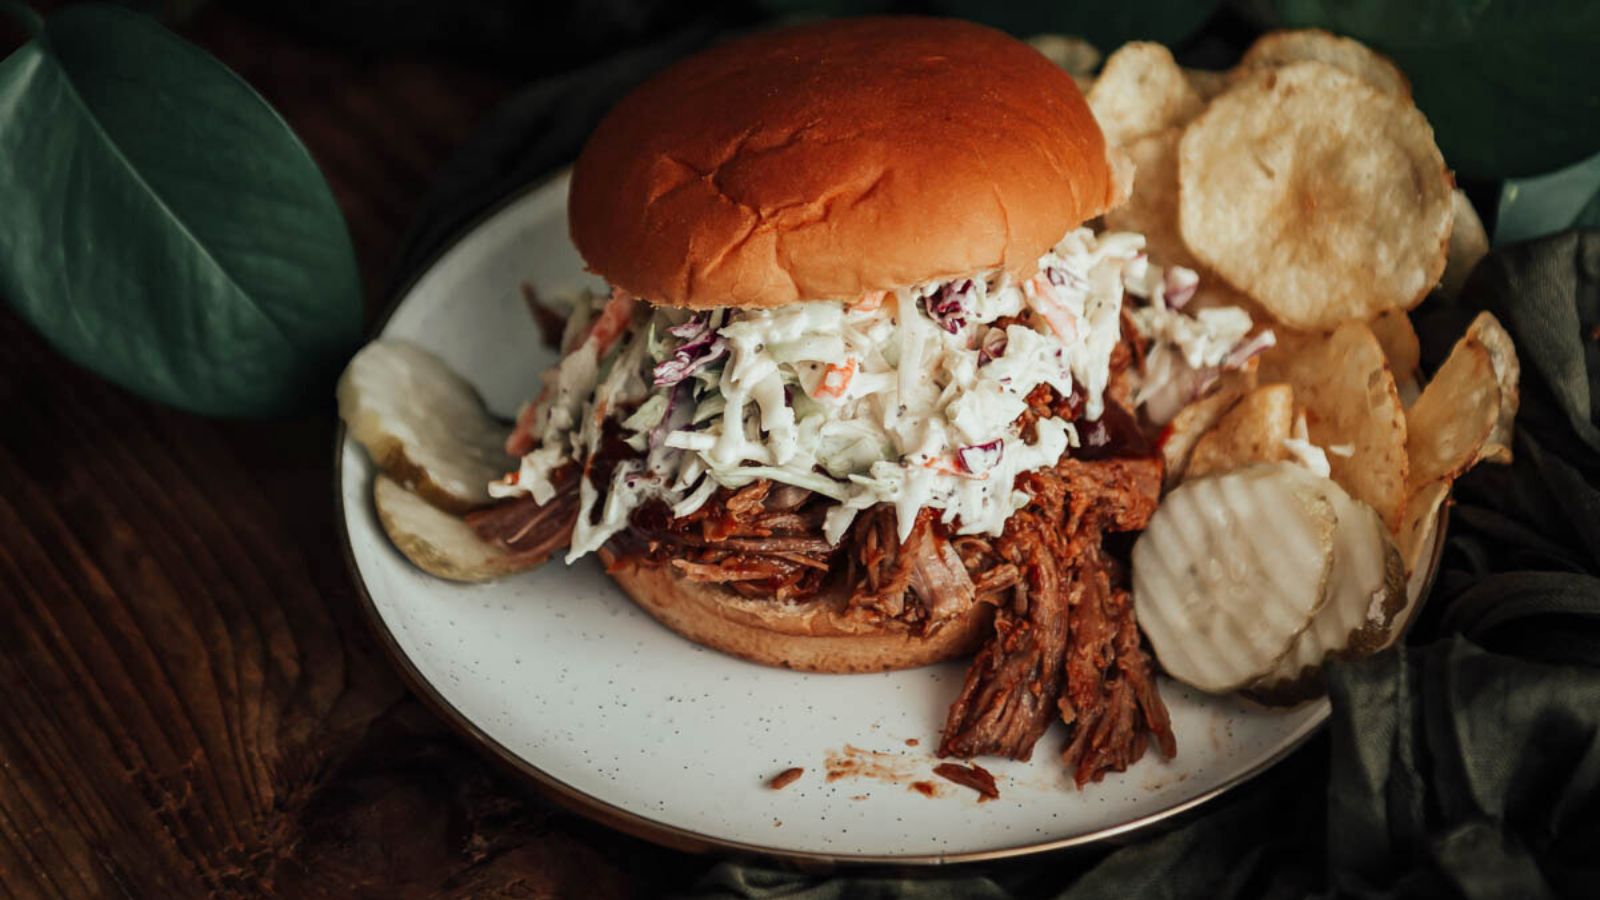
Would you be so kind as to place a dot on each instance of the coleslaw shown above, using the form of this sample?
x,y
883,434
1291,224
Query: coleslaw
x,y
908,397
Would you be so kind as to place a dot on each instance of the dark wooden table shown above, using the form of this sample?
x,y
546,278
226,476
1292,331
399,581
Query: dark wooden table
x,y
190,702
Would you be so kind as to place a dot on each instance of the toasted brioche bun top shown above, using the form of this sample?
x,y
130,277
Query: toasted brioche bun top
x,y
830,160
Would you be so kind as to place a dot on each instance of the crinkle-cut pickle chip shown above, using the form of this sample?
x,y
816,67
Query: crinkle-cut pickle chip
x,y
423,424
437,542
1318,195
1194,420
1140,91
1365,595
1487,331
1451,423
1230,570
1343,382
1280,48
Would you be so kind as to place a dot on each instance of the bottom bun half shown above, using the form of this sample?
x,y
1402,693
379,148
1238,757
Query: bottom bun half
x,y
813,636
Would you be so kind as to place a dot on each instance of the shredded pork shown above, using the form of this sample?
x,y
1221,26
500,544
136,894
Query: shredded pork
x,y
1009,696
1065,645
756,541
525,528
919,582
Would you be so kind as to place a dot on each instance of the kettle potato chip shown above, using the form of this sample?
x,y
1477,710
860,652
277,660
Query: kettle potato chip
x,y
1152,210
1252,431
1486,330
1451,422
1469,242
1076,56
1141,91
1350,399
1208,83
1281,48
1422,514
1194,420
1318,195
1400,347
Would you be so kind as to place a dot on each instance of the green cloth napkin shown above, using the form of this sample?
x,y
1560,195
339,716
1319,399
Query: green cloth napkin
x,y
1464,763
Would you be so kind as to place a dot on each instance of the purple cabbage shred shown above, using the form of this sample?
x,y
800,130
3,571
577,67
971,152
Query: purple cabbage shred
x,y
951,303
978,459
1179,286
1063,277
993,345
678,415
694,327
701,347
1249,347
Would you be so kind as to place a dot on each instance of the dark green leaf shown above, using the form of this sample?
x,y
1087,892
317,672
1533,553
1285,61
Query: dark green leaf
x,y
161,225
1512,89
1108,24
1535,207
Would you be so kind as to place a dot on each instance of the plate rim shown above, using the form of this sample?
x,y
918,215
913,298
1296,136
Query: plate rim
x,y
663,833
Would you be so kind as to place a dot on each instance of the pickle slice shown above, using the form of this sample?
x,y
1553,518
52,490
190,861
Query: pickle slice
x,y
423,424
1231,570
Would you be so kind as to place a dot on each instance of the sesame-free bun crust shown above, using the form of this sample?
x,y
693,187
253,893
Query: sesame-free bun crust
x,y
833,159
813,636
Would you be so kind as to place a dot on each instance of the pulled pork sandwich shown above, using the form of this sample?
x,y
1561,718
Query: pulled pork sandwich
x,y
858,398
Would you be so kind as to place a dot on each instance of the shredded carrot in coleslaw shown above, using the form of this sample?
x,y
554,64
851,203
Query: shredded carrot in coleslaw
x,y
1043,296
604,331
836,379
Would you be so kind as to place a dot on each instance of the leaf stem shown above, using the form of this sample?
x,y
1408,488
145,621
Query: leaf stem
x,y
25,15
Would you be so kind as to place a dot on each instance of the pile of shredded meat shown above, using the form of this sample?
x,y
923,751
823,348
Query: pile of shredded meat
x,y
1065,644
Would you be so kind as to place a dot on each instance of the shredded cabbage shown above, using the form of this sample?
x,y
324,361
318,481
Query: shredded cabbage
x,y
1188,349
908,398
1309,455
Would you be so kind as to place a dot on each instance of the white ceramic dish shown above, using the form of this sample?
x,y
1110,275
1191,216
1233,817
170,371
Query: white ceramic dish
x,y
557,674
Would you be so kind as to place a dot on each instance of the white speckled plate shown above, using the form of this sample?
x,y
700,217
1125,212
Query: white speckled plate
x,y
556,673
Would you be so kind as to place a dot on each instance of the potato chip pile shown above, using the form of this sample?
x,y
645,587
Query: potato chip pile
x,y
1305,186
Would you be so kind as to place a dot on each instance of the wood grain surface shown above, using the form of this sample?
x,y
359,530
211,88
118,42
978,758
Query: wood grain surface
x,y
190,703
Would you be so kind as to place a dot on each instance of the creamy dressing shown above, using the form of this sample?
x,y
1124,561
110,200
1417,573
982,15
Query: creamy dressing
x,y
1307,454
908,398
1187,349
